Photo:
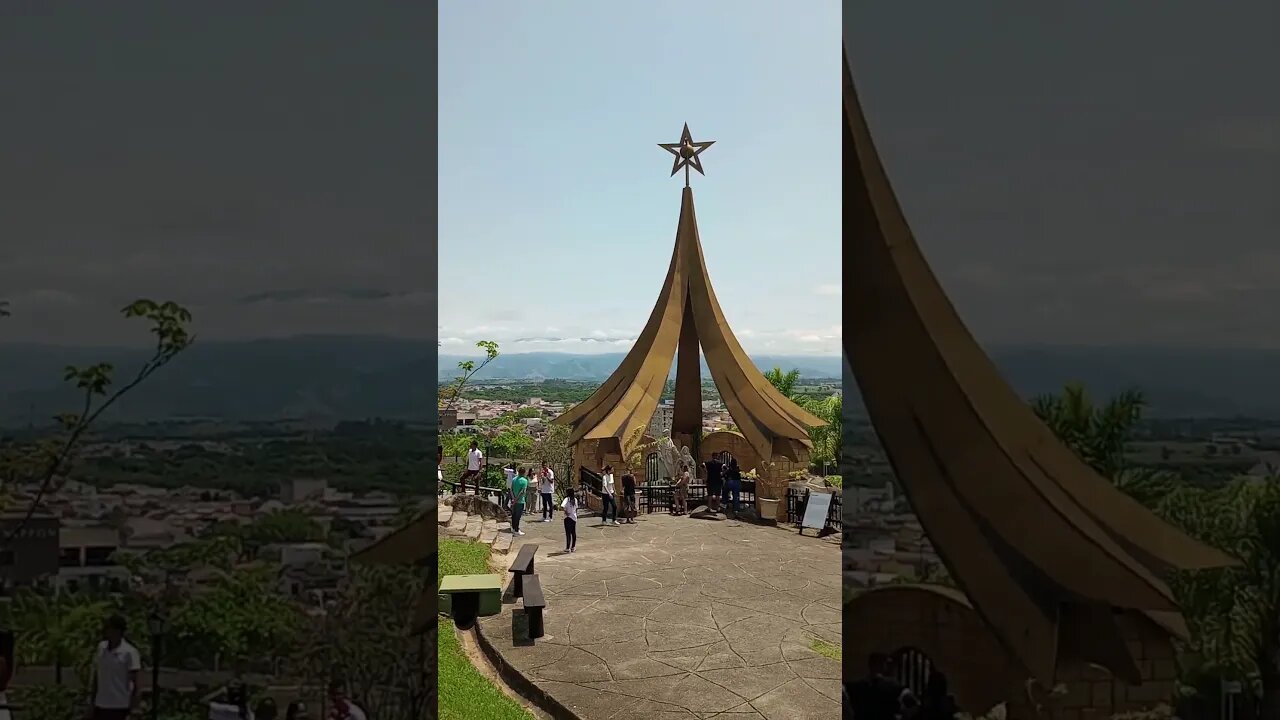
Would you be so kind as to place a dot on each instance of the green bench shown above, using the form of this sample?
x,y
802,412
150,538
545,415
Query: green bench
x,y
466,597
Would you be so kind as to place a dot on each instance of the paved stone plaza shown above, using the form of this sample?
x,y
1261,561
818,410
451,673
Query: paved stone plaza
x,y
679,617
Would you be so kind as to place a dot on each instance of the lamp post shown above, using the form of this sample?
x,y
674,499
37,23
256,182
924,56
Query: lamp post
x,y
156,624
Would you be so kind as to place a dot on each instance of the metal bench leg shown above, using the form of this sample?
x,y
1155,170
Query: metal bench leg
x,y
535,622
518,590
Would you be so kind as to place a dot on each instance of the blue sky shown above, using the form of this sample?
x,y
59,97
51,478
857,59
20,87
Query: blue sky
x,y
556,212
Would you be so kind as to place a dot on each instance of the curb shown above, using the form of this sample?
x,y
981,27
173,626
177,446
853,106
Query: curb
x,y
522,684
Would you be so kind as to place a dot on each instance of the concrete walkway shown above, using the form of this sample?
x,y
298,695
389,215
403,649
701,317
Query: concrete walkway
x,y
679,617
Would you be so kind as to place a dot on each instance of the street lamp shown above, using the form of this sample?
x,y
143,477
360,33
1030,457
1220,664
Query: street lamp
x,y
156,624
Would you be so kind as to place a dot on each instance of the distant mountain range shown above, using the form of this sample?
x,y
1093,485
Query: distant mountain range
x,y
568,366
332,378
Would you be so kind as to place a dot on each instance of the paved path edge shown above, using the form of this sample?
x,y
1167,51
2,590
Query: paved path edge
x,y
521,683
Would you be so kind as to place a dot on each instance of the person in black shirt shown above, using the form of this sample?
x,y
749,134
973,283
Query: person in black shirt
x,y
628,498
878,696
937,704
715,468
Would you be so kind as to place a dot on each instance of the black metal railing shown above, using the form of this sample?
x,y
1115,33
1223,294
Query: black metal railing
x,y
655,498
590,481
798,498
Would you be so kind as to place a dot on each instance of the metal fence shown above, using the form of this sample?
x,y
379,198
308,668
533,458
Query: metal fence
x,y
798,498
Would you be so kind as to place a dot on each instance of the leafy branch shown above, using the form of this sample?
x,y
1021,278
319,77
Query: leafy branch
x,y
169,326
448,398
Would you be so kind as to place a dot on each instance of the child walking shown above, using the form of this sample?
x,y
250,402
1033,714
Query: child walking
x,y
570,505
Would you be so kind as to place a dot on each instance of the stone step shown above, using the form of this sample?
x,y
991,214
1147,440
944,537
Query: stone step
x,y
458,523
489,532
502,544
444,514
475,524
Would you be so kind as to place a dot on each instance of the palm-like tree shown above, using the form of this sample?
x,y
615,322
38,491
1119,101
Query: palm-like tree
x,y
1097,433
60,629
784,382
1233,613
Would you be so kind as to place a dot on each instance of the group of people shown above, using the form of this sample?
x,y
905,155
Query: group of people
x,y
519,480
880,696
234,705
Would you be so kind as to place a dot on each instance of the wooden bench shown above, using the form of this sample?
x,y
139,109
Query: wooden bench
x,y
521,566
534,603
466,597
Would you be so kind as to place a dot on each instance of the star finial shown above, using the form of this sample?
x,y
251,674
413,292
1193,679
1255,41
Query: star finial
x,y
686,152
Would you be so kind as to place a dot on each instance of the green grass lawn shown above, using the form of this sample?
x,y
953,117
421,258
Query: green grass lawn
x,y
464,692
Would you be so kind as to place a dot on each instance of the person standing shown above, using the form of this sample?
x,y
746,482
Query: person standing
x,y
297,710
510,472
113,687
519,486
475,462
570,505
341,707
681,504
715,470
628,498
733,483
878,696
6,672
439,469
546,489
608,495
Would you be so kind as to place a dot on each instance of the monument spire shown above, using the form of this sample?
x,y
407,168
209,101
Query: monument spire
x,y
687,318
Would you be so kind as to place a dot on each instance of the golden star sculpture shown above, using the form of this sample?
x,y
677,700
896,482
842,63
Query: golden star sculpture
x,y
686,152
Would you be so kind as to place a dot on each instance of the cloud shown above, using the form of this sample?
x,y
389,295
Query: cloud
x,y
802,341
829,290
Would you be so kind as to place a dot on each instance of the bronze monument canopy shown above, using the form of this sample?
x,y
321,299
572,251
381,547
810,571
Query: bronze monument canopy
x,y
1047,550
687,317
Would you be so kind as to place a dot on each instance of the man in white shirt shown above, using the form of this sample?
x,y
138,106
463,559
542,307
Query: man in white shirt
x,y
113,689
510,472
547,489
608,497
475,462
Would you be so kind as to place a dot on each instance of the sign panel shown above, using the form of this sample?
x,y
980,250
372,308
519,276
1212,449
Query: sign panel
x,y
815,510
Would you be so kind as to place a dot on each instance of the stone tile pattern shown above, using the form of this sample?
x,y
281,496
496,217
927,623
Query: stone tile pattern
x,y
940,623
676,617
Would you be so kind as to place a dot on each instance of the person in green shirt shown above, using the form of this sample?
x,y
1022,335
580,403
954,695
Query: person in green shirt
x,y
519,484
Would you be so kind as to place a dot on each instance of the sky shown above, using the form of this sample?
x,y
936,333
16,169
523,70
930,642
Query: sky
x,y
1091,173
557,211
269,165
1097,173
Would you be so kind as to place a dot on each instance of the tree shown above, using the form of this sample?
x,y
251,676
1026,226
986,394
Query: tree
x,y
1097,434
784,382
1233,613
362,638
828,439
48,461
450,394
56,629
